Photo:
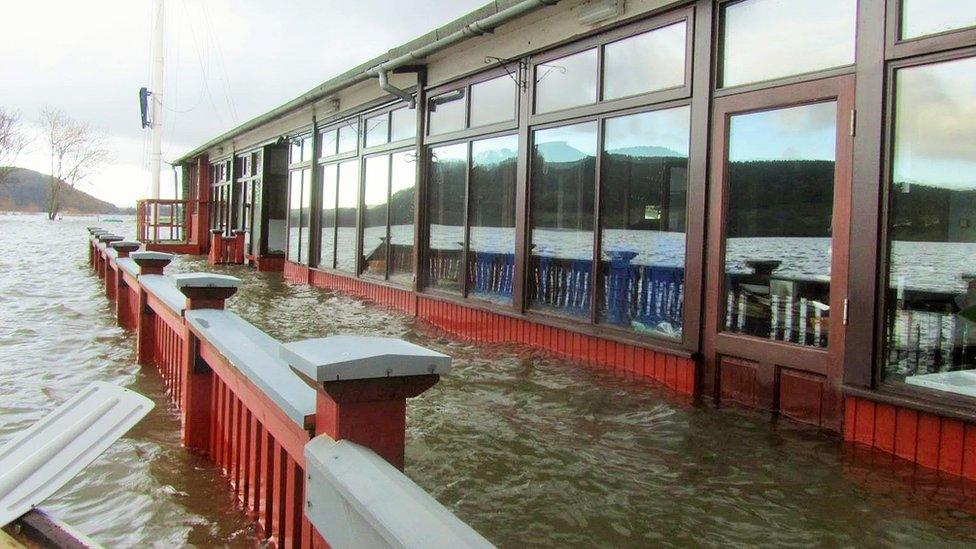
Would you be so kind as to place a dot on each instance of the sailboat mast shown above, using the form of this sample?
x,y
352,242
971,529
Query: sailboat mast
x,y
156,154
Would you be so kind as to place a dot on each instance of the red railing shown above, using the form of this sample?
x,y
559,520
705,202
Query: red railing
x,y
162,221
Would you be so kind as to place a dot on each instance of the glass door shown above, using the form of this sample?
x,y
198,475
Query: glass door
x,y
778,237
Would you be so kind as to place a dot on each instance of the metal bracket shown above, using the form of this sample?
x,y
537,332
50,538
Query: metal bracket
x,y
517,76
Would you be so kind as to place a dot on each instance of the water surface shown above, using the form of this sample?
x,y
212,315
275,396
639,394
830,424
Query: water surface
x,y
528,449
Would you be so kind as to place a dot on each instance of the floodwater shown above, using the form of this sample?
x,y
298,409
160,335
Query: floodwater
x,y
528,449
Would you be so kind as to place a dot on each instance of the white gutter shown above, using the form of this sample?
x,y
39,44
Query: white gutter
x,y
478,28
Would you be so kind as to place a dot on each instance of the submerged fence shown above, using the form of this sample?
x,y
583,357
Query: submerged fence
x,y
281,418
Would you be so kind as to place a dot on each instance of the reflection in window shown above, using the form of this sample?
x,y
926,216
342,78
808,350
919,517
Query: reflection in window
x,y
403,124
778,223
493,101
563,177
491,248
924,17
377,130
931,297
403,182
566,82
445,112
445,215
644,63
642,221
375,194
348,200
348,136
768,39
294,214
295,153
328,218
330,141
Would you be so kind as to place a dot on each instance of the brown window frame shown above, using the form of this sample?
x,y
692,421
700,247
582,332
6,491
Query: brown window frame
x,y
361,216
899,48
599,42
468,132
952,403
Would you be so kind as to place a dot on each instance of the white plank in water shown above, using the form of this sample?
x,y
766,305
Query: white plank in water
x,y
40,460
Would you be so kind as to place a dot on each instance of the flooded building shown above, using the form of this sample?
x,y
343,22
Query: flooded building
x,y
764,202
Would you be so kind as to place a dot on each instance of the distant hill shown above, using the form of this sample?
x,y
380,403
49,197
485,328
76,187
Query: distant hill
x,y
27,191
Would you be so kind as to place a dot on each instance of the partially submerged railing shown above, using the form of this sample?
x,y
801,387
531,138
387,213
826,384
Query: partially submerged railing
x,y
307,433
161,221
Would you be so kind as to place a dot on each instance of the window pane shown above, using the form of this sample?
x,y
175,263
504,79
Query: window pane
x,y
642,221
445,112
493,101
445,216
376,191
404,124
778,223
923,17
346,216
329,140
377,130
306,149
349,136
644,63
306,213
767,39
491,248
563,176
931,298
403,184
566,82
294,155
294,214
327,235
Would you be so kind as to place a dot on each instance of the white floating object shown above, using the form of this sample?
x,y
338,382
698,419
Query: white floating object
x,y
43,458
346,357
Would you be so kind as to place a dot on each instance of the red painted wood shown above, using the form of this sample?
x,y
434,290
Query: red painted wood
x,y
884,428
292,504
254,465
265,504
969,453
929,431
864,431
951,444
906,433
278,495
801,396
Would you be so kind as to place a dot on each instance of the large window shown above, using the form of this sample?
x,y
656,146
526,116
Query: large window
x,y
642,221
299,198
327,217
445,216
298,215
930,330
778,234
473,187
769,39
346,216
376,197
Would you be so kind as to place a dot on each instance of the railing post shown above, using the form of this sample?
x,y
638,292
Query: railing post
x,y
101,259
91,243
216,245
150,263
202,291
113,277
239,246
362,384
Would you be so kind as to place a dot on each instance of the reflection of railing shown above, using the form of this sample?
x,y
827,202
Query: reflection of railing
x,y
780,308
491,274
161,220
926,334
651,296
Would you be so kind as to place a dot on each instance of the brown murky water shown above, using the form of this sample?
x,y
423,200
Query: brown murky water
x,y
528,449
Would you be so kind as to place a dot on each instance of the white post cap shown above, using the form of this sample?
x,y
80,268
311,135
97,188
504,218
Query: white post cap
x,y
348,357
151,256
205,280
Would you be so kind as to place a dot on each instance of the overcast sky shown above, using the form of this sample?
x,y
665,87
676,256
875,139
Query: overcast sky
x,y
226,62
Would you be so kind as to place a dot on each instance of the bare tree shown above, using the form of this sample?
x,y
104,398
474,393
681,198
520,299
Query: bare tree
x,y
77,150
13,140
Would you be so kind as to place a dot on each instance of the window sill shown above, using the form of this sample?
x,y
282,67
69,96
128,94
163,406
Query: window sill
x,y
932,401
